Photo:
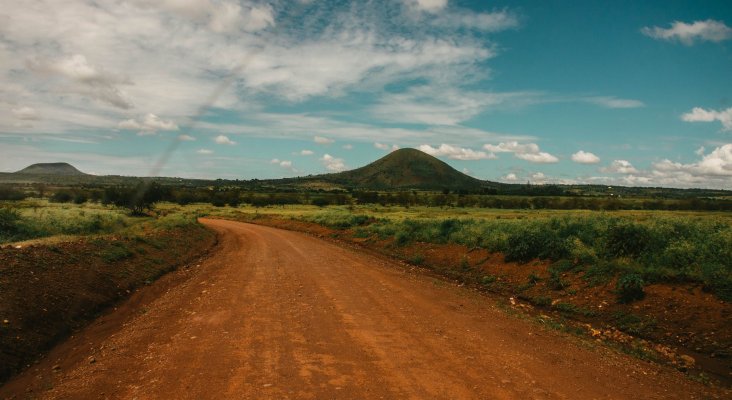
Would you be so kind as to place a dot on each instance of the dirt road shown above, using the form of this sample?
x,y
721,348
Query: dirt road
x,y
278,314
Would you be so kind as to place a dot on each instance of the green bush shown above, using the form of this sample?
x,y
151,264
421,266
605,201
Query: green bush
x,y
627,239
630,288
555,281
320,202
9,219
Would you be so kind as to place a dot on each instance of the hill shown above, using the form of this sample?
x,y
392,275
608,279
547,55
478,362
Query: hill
x,y
405,169
59,168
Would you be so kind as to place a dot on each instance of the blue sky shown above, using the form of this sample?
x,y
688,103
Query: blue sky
x,y
631,93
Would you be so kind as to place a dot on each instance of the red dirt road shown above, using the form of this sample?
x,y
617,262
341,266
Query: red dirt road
x,y
279,314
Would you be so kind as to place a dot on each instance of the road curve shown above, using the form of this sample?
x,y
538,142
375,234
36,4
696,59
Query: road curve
x,y
275,314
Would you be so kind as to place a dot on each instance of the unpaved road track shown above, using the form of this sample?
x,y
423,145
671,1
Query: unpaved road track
x,y
274,314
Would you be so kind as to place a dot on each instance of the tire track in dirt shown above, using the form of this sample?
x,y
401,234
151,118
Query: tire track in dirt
x,y
279,314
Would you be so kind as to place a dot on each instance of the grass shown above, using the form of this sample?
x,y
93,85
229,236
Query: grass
x,y
37,219
635,247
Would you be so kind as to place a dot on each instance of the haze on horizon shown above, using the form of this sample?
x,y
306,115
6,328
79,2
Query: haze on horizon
x,y
621,93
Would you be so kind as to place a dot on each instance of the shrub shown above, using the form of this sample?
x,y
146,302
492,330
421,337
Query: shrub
x,y
320,201
62,196
627,239
401,238
555,281
630,288
9,221
417,259
9,193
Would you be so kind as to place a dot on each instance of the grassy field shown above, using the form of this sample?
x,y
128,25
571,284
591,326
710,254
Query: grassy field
x,y
637,247
38,219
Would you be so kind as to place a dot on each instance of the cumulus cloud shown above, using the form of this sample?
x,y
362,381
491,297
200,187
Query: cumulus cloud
x,y
286,164
620,167
584,157
332,163
511,177
385,147
717,163
524,151
698,114
222,139
148,125
322,140
25,113
614,102
538,177
204,151
455,153
709,30
712,170
306,152
186,138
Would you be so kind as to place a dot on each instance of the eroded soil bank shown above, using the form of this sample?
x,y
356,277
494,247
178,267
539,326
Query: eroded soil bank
x,y
47,291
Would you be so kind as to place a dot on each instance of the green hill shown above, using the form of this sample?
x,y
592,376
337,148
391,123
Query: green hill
x,y
59,168
405,169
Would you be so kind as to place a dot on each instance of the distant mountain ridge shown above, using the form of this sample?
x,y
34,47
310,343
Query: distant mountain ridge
x,y
58,168
405,169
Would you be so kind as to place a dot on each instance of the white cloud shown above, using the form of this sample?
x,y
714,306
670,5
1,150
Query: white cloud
x,y
713,170
524,151
718,163
427,5
80,76
709,30
306,152
438,14
332,163
538,177
25,113
698,114
186,138
614,102
455,153
231,17
322,140
486,22
148,125
286,164
699,151
221,139
620,167
385,147
583,157
204,151
432,105
511,177
88,56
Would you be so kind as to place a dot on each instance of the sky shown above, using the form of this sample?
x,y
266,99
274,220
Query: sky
x,y
618,93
